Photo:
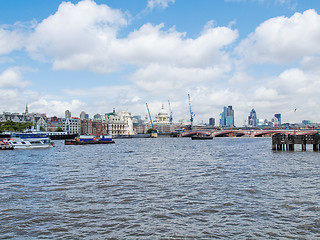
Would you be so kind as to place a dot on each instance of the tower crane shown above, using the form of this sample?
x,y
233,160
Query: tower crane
x,y
191,113
170,117
150,116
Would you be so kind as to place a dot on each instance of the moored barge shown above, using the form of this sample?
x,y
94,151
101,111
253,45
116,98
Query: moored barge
x,y
85,140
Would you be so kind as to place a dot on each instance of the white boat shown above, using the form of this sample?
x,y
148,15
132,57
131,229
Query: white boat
x,y
30,141
19,143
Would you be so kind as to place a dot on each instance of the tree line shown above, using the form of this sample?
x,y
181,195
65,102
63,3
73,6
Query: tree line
x,y
14,126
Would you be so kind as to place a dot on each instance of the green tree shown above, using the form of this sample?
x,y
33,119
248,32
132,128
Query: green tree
x,y
59,129
14,126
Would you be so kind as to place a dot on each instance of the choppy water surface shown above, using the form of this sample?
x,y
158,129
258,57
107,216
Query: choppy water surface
x,y
165,188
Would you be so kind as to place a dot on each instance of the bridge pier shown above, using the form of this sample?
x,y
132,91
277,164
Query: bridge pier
x,y
291,147
282,142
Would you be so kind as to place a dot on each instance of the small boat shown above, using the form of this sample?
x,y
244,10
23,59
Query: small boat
x,y
201,137
85,139
4,145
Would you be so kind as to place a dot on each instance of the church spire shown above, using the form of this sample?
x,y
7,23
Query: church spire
x,y
26,112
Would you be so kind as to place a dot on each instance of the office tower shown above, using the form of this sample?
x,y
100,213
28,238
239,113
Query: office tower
x,y
252,119
227,117
67,114
212,121
278,116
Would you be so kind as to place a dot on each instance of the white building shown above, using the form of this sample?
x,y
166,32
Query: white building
x,y
71,125
119,124
162,117
161,122
127,118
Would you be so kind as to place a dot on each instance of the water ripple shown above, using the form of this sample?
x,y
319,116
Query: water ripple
x,y
160,189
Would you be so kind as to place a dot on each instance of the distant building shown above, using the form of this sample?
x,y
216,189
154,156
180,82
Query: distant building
x,y
137,120
162,117
161,122
306,122
212,121
274,122
82,115
139,129
54,123
126,116
227,117
71,125
119,123
15,117
40,120
97,117
278,117
252,119
95,128
86,127
67,114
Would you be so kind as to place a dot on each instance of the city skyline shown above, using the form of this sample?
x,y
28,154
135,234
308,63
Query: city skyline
x,y
226,118
94,56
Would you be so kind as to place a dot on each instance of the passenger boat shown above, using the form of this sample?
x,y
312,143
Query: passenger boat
x,y
85,139
4,145
30,141
201,137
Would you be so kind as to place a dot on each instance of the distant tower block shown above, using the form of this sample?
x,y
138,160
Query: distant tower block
x,y
67,114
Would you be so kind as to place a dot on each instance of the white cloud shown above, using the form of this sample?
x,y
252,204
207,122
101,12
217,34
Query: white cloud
x,y
160,79
9,41
78,36
159,3
56,107
12,78
85,36
150,44
283,40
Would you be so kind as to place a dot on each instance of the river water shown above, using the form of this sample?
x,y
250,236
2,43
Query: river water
x,y
165,188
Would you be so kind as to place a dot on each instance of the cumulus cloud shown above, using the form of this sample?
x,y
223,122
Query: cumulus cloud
x,y
78,36
160,79
151,44
10,40
159,3
12,78
56,107
282,40
85,36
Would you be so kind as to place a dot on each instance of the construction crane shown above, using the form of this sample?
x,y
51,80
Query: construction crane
x,y
170,118
191,113
150,116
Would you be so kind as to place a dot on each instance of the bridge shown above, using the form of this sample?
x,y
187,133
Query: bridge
x,y
193,133
249,133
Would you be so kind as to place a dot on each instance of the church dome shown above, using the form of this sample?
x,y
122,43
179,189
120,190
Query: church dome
x,y
162,117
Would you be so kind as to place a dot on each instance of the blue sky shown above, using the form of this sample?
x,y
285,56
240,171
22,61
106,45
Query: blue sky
x,y
94,56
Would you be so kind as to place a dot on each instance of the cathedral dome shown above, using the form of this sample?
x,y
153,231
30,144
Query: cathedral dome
x,y
162,117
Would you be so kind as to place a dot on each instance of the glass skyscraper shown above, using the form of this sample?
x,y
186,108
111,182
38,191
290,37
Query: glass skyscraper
x,y
227,117
252,119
